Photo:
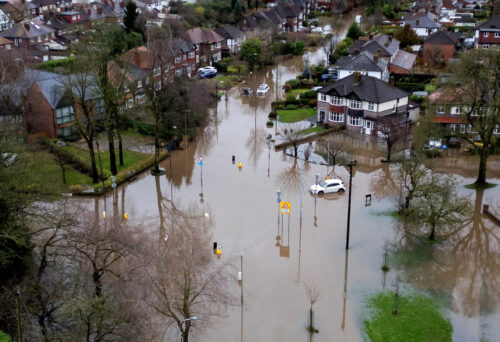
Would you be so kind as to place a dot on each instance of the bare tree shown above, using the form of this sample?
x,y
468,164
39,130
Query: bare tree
x,y
292,135
312,295
391,130
184,281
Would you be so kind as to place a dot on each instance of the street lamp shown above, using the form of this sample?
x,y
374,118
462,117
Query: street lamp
x,y
351,164
193,318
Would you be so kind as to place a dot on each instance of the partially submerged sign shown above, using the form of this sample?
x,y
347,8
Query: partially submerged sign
x,y
285,208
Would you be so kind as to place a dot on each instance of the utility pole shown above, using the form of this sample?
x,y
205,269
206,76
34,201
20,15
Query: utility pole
x,y
351,164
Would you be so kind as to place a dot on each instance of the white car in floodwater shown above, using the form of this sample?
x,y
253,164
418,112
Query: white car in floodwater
x,y
328,186
263,89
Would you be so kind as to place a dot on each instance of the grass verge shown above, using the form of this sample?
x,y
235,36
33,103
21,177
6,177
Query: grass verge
x,y
475,186
298,91
295,115
310,130
418,319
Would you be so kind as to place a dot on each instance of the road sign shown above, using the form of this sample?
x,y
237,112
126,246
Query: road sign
x,y
165,237
201,161
285,208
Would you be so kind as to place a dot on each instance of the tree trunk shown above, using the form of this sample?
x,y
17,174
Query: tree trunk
x,y
93,164
483,159
112,153
63,173
120,146
433,234
389,150
295,148
157,154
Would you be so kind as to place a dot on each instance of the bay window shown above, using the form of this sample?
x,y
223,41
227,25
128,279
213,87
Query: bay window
x,y
354,121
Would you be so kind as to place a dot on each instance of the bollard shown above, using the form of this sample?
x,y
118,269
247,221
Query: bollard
x,y
104,214
125,216
215,245
219,251
239,166
239,276
233,159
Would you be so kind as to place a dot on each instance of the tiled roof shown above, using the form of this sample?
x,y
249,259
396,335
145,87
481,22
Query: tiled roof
x,y
369,89
4,41
27,29
404,60
423,21
442,37
492,23
363,61
229,31
390,45
387,46
197,36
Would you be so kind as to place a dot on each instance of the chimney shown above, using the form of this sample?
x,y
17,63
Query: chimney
x,y
370,36
122,4
356,52
89,11
375,59
357,77
99,10
27,26
244,25
137,60
390,39
391,81
417,22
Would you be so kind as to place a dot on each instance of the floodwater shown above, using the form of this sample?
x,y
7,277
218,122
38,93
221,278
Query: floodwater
x,y
281,258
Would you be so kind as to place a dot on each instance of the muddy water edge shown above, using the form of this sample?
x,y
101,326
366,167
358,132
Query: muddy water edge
x,y
280,259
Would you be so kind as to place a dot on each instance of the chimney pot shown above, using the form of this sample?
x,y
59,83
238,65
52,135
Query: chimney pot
x,y
99,10
89,11
391,81
375,59
357,77
417,22
370,36
356,52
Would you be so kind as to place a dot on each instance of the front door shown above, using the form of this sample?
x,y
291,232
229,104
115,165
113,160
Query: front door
x,y
322,115
368,127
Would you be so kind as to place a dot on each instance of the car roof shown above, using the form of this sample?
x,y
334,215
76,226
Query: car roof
x,y
334,180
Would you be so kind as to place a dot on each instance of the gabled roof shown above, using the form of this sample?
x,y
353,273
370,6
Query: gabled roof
x,y
27,29
389,44
404,60
197,36
5,41
229,31
369,89
285,11
492,23
363,61
372,46
141,57
273,16
423,21
442,38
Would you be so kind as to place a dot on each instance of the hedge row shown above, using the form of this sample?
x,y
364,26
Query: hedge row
x,y
410,86
141,127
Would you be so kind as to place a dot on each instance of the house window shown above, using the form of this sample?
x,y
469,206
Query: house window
x,y
371,106
139,84
457,128
485,34
496,130
355,104
336,100
440,110
158,85
184,57
354,121
191,54
177,60
470,129
99,106
217,45
130,103
66,131
336,117
485,46
323,97
39,39
65,114
458,110
178,72
156,71
497,34
140,98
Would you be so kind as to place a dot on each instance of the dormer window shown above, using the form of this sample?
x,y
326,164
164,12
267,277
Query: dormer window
x,y
139,84
177,60
156,71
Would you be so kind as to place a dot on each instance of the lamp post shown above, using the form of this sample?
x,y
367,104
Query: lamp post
x,y
193,318
351,164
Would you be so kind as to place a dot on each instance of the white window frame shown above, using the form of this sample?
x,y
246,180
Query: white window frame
x,y
355,121
156,71
458,110
139,84
191,54
496,130
486,46
497,34
65,114
158,85
322,97
355,104
485,34
371,106
440,110
336,117
177,60
178,72
336,100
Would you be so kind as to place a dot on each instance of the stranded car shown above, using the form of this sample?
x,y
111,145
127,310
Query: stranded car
x,y
328,77
246,91
263,89
327,186
207,72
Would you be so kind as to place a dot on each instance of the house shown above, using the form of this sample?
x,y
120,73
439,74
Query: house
x,y
421,23
439,47
5,20
359,102
5,44
402,62
179,59
49,109
208,44
13,12
487,34
364,63
290,17
383,45
233,38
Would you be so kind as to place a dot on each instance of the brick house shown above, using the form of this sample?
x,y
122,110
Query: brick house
x,y
422,23
359,102
364,63
439,47
49,110
487,34
208,44
5,44
402,62
233,38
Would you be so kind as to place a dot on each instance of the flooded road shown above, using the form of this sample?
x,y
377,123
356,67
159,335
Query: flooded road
x,y
280,259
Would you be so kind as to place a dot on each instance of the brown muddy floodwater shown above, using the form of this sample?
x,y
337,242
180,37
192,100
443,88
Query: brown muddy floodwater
x,y
462,275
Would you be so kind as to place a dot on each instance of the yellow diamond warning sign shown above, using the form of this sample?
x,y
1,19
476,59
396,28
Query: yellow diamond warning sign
x,y
285,208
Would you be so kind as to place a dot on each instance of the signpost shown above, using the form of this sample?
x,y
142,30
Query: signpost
x,y
285,208
113,185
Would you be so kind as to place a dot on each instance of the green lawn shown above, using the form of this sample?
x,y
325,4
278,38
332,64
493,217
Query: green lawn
x,y
295,115
310,130
46,170
298,91
430,87
418,320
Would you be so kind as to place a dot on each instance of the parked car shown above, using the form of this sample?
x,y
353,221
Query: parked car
x,y
453,142
433,144
327,29
207,72
246,91
332,70
317,30
327,186
263,89
328,77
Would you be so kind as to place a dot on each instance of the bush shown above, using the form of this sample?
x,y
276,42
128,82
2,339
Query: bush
x,y
291,106
287,87
410,86
141,127
433,153
290,98
272,115
313,103
4,337
311,94
354,31
232,70
294,83
269,124
304,102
